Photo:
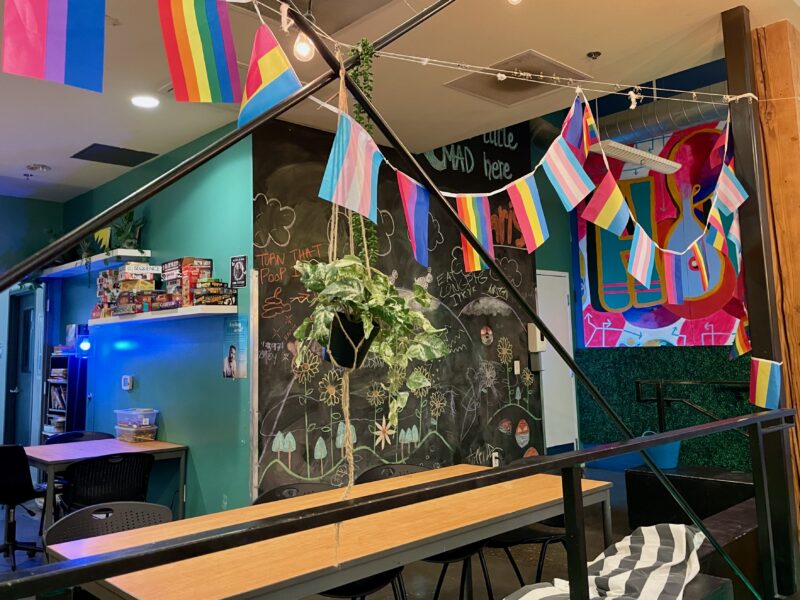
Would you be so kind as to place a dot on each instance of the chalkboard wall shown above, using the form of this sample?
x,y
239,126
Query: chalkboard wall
x,y
481,399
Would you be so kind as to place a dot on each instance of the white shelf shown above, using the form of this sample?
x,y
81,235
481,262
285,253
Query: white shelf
x,y
174,313
98,262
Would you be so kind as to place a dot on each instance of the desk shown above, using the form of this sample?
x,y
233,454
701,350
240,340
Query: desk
x,y
54,458
305,563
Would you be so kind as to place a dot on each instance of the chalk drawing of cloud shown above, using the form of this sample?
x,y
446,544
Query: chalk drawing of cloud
x,y
435,235
510,267
273,222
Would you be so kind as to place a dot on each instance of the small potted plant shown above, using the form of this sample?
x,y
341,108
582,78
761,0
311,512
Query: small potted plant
x,y
358,310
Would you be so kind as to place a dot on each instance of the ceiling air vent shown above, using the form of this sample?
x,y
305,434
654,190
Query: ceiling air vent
x,y
513,91
114,155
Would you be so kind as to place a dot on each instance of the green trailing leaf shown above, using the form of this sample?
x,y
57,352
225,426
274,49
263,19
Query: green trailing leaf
x,y
368,296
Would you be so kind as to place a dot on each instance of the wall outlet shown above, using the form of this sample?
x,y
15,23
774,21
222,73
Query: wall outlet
x,y
127,382
516,367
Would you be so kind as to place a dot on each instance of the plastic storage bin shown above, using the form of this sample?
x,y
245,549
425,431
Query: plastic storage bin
x,y
136,434
136,417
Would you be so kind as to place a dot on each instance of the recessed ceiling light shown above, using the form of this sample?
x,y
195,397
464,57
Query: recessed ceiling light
x,y
145,101
594,54
514,2
38,168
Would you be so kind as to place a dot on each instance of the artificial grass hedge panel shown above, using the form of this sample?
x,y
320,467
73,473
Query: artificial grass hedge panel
x,y
615,370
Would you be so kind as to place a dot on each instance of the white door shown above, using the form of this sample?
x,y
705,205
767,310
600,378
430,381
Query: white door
x,y
559,402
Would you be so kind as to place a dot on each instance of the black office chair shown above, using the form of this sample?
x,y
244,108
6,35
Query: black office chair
x,y
461,555
357,589
549,531
110,517
16,487
66,438
116,478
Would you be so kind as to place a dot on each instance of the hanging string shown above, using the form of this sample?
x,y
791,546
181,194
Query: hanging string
x,y
258,12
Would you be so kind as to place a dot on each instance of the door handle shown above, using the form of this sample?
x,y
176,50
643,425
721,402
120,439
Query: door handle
x,y
14,391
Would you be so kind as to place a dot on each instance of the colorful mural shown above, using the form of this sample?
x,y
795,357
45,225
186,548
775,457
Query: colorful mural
x,y
617,311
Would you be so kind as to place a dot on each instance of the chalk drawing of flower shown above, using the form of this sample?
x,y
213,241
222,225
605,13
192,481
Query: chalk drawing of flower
x,y
307,369
438,404
375,394
527,377
383,433
487,376
330,389
505,351
426,373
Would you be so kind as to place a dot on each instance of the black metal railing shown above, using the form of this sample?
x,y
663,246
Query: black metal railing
x,y
663,400
775,515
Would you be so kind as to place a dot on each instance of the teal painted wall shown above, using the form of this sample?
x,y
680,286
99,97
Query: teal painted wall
x,y
177,365
24,225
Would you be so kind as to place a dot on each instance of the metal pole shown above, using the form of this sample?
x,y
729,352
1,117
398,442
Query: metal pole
x,y
575,526
46,255
426,180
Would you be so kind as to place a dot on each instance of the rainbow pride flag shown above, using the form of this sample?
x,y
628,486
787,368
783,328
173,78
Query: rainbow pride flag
x,y
741,342
700,263
528,209
474,213
416,205
57,40
642,258
270,77
673,278
565,172
765,383
200,53
607,207
734,238
591,135
730,192
716,230
351,175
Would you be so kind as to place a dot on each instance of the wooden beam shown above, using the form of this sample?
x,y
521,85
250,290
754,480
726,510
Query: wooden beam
x,y
776,50
753,214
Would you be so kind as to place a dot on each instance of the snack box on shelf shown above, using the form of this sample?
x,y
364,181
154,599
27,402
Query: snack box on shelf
x,y
222,296
139,268
136,417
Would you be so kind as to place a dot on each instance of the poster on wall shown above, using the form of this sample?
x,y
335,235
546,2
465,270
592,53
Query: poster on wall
x,y
234,347
239,271
679,308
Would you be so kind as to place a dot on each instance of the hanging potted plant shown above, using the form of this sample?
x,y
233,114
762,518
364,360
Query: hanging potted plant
x,y
357,311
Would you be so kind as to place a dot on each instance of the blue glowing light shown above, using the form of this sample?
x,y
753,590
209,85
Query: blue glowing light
x,y
125,345
85,345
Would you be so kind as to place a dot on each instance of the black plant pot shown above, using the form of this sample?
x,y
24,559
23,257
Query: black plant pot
x,y
340,347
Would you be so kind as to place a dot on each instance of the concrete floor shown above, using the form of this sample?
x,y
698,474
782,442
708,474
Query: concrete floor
x,y
420,578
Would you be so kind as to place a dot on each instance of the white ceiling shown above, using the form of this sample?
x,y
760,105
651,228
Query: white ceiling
x,y
42,122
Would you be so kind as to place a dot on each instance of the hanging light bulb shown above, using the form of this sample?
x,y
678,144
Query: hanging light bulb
x,y
303,48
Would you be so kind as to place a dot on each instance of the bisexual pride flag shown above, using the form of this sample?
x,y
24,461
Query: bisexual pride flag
x,y
528,209
474,213
565,172
765,383
642,257
608,208
351,175
416,204
56,40
270,77
200,53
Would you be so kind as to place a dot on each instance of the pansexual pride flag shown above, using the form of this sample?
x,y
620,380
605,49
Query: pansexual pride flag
x,y
608,208
200,53
562,168
765,383
741,342
716,230
474,213
730,192
528,209
56,40
700,263
416,204
351,175
270,77
643,257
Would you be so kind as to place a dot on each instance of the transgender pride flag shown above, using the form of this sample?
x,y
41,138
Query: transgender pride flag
x,y
643,257
351,175
570,181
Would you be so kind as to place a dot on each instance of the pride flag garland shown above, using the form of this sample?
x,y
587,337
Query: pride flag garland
x,y
199,44
416,204
765,383
474,213
565,172
642,257
528,208
607,207
57,40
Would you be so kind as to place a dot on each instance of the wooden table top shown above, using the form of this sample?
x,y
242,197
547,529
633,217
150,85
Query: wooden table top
x,y
73,451
256,566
